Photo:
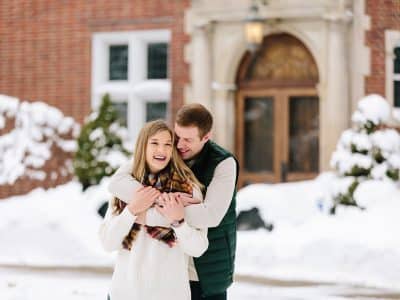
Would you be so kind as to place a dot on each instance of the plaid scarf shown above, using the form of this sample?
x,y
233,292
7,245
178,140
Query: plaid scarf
x,y
167,181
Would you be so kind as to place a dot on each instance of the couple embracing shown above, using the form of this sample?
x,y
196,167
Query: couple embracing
x,y
172,218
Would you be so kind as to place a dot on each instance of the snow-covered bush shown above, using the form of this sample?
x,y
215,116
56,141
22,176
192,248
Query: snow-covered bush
x,y
101,145
35,141
370,150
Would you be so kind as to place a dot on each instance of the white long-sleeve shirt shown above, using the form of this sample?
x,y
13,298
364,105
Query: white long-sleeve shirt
x,y
151,270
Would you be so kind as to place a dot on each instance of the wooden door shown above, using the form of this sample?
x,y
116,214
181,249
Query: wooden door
x,y
257,147
278,135
277,112
301,135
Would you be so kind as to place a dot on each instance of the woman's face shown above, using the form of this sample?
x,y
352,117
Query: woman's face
x,y
159,151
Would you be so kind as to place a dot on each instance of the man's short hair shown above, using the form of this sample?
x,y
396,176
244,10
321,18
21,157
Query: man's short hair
x,y
197,115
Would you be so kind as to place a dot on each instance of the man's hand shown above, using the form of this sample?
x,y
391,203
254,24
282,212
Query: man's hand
x,y
187,199
142,199
170,207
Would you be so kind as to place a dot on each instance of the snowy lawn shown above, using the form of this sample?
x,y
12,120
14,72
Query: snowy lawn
x,y
353,246
31,285
59,227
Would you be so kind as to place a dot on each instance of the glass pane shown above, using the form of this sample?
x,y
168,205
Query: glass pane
x,y
122,110
397,60
157,60
156,110
118,69
259,134
304,133
397,93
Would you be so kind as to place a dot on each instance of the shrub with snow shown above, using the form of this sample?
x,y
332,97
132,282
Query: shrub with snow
x,y
370,150
102,145
31,135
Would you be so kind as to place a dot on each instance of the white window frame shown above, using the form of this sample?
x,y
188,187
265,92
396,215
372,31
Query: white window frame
x,y
392,40
137,89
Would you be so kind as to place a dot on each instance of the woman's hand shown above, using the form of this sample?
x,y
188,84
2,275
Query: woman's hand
x,y
170,207
143,198
141,218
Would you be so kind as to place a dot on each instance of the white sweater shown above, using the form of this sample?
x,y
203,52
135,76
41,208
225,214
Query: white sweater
x,y
151,270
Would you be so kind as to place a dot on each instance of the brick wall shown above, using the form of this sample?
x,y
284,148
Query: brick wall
x,y
384,14
45,53
45,46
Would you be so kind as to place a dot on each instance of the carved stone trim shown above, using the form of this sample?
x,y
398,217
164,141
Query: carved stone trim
x,y
282,58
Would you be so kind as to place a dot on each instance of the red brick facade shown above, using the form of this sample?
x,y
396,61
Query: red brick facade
x,y
45,49
385,15
45,53
45,46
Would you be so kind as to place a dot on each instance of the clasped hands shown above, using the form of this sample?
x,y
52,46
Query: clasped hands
x,y
170,205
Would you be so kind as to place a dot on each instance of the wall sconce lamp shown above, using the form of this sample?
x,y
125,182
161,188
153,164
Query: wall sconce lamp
x,y
254,26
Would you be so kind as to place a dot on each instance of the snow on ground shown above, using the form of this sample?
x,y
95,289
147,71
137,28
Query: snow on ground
x,y
31,285
354,246
59,227
54,227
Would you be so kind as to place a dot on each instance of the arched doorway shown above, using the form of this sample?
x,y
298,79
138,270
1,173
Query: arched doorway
x,y
277,107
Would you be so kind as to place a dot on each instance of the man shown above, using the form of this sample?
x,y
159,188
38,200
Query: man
x,y
217,170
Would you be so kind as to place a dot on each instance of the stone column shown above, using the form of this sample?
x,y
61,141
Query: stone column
x,y
360,54
201,66
224,126
335,107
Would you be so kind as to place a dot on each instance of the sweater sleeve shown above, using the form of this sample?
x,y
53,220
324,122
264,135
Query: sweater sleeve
x,y
217,199
114,228
122,185
193,241
154,218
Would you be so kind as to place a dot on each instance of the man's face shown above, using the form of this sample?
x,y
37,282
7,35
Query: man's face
x,y
189,143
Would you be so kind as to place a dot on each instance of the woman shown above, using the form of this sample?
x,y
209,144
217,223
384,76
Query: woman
x,y
152,262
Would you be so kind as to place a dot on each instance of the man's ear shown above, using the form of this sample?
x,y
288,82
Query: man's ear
x,y
206,137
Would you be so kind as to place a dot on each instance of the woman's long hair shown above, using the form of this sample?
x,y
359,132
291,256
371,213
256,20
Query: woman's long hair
x,y
176,163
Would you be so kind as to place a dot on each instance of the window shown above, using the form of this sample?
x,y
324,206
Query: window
x,y
392,70
132,66
122,110
396,77
118,62
157,60
156,110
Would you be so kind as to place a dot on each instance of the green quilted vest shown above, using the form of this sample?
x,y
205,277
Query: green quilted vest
x,y
215,267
